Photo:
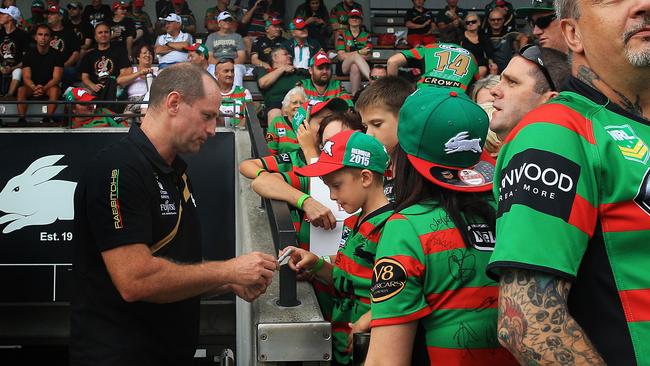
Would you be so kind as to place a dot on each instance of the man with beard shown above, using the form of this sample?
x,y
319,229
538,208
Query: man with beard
x,y
233,97
65,41
571,249
320,85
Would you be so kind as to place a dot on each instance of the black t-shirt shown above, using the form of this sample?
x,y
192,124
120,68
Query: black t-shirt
x,y
164,7
102,64
419,17
13,46
126,27
94,16
82,30
42,66
65,41
130,195
264,45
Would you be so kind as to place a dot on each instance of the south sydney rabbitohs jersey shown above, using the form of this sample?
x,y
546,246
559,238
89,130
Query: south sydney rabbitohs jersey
x,y
576,204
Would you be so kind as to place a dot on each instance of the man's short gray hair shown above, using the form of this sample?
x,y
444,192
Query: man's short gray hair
x,y
181,78
567,9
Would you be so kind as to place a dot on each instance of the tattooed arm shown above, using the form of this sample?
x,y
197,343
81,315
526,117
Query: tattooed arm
x,y
534,322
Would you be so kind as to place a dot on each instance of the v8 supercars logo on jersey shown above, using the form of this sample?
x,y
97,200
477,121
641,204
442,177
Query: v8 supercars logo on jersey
x,y
388,279
541,180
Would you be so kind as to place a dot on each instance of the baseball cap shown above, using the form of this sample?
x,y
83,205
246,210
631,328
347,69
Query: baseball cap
x,y
273,21
353,149
537,6
500,3
172,17
224,15
319,58
12,11
53,8
443,133
199,48
119,4
74,4
297,23
38,6
138,3
355,13
314,106
178,1
78,95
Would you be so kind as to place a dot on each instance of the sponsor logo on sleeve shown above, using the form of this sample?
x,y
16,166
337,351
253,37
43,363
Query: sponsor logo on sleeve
x,y
388,279
630,145
541,180
284,158
344,238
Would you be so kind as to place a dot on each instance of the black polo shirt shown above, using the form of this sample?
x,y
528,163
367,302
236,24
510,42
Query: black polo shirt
x,y
264,45
130,195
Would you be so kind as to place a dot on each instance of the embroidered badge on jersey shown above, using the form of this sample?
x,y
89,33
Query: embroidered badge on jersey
x,y
631,146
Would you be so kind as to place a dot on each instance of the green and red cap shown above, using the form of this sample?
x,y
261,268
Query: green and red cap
x,y
297,24
312,107
443,133
352,149
536,7
273,21
78,95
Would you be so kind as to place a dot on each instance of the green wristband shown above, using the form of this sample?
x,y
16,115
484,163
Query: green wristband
x,y
259,171
302,200
317,266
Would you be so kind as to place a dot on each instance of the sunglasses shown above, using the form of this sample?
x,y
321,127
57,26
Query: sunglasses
x,y
225,60
496,19
468,22
532,53
542,22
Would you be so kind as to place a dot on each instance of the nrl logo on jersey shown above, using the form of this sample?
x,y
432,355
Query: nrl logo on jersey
x,y
630,145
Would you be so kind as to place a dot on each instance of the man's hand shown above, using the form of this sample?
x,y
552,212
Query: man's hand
x,y
360,326
38,90
95,88
253,269
248,293
318,215
288,69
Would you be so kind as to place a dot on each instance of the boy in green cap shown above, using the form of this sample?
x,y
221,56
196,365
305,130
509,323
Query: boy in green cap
x,y
352,165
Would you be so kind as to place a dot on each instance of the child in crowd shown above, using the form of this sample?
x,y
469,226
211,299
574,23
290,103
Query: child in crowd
x,y
352,165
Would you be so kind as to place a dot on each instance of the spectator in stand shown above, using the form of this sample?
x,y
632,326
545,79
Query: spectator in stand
x,y
102,67
483,97
255,18
233,97
479,45
165,7
225,43
316,17
274,83
38,15
545,24
137,80
320,85
122,28
261,52
170,47
96,13
421,25
280,136
377,72
14,42
504,43
198,54
301,46
82,112
211,14
64,40
339,15
353,48
450,22
42,72
81,29
143,27
509,23
181,8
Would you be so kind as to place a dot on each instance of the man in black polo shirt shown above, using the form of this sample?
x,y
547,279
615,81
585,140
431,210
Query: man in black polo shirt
x,y
138,270
261,52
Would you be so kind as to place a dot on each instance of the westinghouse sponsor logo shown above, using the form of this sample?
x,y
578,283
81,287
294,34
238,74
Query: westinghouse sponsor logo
x,y
541,180
114,199
388,279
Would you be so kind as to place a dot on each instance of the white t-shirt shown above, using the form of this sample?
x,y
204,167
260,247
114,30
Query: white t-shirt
x,y
173,56
139,86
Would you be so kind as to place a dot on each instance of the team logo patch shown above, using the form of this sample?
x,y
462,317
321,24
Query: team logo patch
x,y
282,131
269,137
284,158
327,148
388,279
481,236
461,142
630,145
471,177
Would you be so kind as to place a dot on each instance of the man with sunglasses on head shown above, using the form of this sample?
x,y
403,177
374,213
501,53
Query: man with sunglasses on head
x,y
544,24
573,219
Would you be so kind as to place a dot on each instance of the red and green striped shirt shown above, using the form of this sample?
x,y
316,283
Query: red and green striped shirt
x,y
339,13
333,90
234,102
576,204
424,272
280,136
348,43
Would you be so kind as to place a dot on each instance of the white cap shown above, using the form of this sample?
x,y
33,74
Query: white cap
x,y
224,15
172,17
13,11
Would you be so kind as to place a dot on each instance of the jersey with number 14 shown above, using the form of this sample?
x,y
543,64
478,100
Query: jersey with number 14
x,y
446,65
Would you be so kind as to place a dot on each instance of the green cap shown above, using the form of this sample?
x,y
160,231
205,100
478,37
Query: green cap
x,y
443,133
538,6
353,149
313,106
199,48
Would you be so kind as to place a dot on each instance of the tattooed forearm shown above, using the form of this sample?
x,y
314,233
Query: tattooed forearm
x,y
534,323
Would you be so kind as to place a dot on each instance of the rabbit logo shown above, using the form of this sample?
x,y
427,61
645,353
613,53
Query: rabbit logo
x,y
33,198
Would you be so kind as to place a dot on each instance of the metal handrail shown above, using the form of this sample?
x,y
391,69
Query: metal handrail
x,y
282,228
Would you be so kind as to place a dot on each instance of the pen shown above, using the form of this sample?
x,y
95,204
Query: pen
x,y
284,255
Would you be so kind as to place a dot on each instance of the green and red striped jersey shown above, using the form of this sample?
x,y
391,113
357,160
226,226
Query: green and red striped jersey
x,y
352,275
339,13
349,43
574,202
234,102
280,136
424,272
446,65
333,90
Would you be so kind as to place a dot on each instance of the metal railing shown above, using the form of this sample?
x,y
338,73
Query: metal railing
x,y
282,228
63,119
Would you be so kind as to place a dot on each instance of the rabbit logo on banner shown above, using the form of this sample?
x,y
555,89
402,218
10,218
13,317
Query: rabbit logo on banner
x,y
33,198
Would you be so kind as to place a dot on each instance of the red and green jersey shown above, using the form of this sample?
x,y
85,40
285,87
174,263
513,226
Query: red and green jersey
x,y
348,43
339,13
576,204
352,275
446,65
333,90
424,272
280,136
234,102
100,121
